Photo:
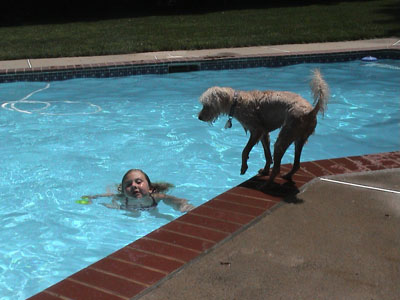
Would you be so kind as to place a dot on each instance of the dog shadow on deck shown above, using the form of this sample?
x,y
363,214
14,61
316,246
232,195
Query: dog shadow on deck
x,y
287,190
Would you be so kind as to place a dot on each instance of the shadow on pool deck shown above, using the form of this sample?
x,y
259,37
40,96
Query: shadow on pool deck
x,y
338,242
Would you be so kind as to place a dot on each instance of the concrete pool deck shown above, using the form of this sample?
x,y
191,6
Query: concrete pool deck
x,y
27,64
320,239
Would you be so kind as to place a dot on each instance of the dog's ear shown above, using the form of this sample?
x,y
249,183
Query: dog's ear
x,y
214,92
221,93
210,96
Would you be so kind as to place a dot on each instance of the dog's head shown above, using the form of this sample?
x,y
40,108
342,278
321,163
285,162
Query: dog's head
x,y
215,102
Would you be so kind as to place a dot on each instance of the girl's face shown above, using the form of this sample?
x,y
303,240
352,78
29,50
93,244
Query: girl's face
x,y
135,185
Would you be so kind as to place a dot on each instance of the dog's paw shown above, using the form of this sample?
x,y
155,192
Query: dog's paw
x,y
287,177
263,172
243,169
270,182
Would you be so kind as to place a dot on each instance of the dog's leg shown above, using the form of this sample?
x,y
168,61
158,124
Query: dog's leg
x,y
254,138
282,143
296,164
267,152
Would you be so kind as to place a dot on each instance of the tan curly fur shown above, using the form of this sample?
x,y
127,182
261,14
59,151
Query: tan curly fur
x,y
261,112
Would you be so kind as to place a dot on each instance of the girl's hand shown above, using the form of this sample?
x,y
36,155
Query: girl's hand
x,y
185,207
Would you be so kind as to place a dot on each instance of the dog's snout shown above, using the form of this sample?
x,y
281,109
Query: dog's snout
x,y
201,115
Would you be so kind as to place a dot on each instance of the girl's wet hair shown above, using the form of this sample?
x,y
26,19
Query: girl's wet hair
x,y
156,187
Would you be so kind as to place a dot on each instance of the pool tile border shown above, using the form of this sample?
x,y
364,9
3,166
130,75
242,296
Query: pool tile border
x,y
207,63
144,264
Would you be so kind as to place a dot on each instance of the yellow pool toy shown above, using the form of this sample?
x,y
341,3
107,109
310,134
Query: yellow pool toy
x,y
83,200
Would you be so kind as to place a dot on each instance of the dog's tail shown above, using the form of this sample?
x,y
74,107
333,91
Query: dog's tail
x,y
320,91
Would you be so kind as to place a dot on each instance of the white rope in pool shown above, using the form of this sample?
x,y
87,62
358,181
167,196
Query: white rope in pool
x,y
13,105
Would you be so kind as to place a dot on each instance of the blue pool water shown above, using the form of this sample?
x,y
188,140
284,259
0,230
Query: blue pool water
x,y
62,140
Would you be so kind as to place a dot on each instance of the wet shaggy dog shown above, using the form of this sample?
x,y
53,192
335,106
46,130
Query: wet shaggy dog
x,y
261,112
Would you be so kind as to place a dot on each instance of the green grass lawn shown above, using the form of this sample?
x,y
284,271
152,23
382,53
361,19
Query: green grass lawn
x,y
338,21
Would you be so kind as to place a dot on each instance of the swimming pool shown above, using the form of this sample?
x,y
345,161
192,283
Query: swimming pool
x,y
70,138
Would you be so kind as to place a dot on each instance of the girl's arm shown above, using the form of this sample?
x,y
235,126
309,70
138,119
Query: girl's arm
x,y
114,203
89,198
179,204
99,196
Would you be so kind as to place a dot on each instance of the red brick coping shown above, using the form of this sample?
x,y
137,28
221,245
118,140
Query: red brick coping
x,y
145,263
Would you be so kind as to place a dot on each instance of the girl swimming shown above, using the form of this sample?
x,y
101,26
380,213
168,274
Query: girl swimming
x,y
136,192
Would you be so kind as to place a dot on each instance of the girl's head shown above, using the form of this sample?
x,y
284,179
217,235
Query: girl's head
x,y
136,183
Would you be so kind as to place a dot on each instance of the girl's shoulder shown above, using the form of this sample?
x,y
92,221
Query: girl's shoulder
x,y
161,186
118,196
159,196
